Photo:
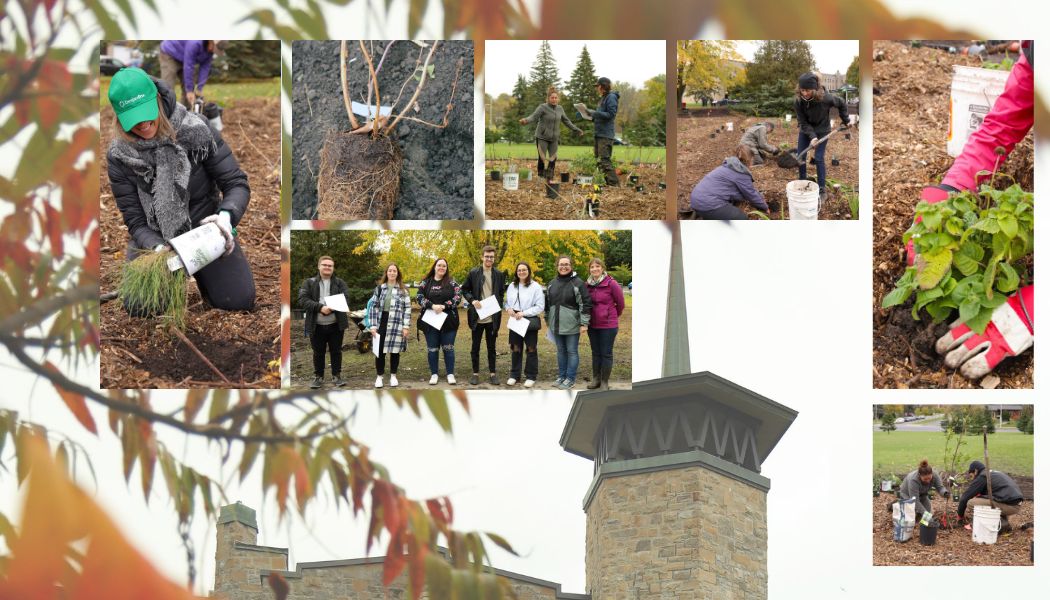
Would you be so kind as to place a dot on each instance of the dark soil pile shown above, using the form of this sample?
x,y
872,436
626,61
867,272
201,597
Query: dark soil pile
x,y
530,200
955,546
134,354
437,174
911,129
699,154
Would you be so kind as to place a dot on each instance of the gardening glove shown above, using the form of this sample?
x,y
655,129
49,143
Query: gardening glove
x,y
1010,332
946,493
222,220
932,194
776,151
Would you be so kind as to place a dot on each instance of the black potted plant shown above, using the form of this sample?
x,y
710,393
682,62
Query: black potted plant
x,y
834,161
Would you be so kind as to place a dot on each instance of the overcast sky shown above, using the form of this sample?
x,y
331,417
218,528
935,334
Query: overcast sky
x,y
633,61
831,55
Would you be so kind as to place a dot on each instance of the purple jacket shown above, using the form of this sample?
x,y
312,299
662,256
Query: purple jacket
x,y
190,53
606,303
731,182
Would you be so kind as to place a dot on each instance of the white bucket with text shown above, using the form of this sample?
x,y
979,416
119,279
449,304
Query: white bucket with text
x,y
974,92
803,200
985,524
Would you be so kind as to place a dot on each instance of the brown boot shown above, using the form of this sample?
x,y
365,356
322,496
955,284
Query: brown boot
x,y
1004,525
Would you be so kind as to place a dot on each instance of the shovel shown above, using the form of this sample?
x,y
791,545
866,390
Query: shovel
x,y
792,160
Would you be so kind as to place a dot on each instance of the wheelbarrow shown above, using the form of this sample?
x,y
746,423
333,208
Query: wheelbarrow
x,y
792,159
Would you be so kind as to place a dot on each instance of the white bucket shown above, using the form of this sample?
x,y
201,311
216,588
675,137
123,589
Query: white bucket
x,y
510,181
729,127
803,200
974,92
985,524
585,180
887,486
198,247
788,118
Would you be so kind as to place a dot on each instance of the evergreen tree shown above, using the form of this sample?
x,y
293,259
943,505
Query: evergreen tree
x,y
888,423
513,130
779,59
544,74
580,90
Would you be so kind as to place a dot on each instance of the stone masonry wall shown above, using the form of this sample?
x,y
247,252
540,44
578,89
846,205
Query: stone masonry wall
x,y
237,569
681,534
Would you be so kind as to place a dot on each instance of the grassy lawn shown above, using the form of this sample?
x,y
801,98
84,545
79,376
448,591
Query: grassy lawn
x,y
646,153
223,92
901,452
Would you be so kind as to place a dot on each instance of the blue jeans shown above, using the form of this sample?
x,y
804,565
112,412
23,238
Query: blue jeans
x,y
568,355
444,341
602,345
817,153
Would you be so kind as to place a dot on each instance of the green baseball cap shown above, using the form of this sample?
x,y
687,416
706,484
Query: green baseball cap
x,y
133,96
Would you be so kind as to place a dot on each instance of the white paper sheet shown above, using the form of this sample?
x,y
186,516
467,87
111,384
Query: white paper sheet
x,y
370,110
336,302
518,326
583,111
550,336
434,319
489,307
375,345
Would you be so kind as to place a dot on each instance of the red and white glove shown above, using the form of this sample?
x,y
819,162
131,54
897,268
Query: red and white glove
x,y
933,195
1010,332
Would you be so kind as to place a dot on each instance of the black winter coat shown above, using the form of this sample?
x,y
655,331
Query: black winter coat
x,y
218,172
473,288
1004,490
814,118
310,301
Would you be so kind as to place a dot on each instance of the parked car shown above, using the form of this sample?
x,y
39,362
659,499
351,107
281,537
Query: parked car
x,y
899,420
620,142
108,65
503,141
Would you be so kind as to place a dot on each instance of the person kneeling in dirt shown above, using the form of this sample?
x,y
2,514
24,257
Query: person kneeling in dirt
x,y
813,110
1005,492
755,138
549,115
1012,328
731,182
163,183
324,325
918,484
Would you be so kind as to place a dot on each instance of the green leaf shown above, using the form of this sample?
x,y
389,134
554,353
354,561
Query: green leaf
x,y
955,226
935,266
924,297
988,224
1008,224
995,301
980,322
219,404
1000,244
969,309
437,405
1011,281
312,26
502,543
896,297
110,29
989,278
966,264
1021,207
941,309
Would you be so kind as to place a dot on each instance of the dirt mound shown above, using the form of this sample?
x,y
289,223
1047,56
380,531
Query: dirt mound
x,y
437,175
913,88
699,154
134,355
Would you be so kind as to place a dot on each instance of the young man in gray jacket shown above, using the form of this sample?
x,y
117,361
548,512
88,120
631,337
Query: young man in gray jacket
x,y
324,325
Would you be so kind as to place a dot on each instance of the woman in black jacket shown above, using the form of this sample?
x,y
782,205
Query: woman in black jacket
x,y
813,110
439,292
167,167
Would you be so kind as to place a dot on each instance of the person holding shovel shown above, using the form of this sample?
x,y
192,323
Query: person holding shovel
x,y
482,282
171,172
390,315
606,307
440,292
730,182
1012,328
605,128
568,315
524,301
813,110
755,138
1005,492
918,484
324,325
547,116
179,58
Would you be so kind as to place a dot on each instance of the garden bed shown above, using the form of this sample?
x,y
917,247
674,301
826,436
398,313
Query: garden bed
x,y
912,91
699,154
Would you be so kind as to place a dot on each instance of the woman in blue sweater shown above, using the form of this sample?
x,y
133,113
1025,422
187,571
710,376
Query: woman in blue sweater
x,y
731,182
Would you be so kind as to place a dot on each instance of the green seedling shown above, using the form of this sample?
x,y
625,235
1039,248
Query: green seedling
x,y
1006,65
148,283
419,71
761,214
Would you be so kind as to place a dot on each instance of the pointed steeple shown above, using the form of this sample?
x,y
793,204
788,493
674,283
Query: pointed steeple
x,y
676,329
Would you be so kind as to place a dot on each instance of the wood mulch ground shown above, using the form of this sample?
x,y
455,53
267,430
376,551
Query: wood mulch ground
x,y
913,88
135,353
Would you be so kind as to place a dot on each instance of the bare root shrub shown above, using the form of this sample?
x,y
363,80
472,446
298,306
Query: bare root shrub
x,y
360,176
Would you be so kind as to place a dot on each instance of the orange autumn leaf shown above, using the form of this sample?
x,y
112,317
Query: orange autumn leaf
x,y
286,464
395,560
278,584
54,81
92,254
76,403
57,514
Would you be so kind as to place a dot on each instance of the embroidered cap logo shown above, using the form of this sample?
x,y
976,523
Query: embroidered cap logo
x,y
129,101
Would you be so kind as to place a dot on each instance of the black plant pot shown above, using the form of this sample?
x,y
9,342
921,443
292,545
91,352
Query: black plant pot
x,y
495,175
552,190
847,136
639,188
712,135
928,534
565,178
834,162
633,178
663,186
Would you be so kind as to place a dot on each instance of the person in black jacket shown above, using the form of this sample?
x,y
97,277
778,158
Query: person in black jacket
x,y
440,292
482,282
813,110
1005,493
324,325
167,168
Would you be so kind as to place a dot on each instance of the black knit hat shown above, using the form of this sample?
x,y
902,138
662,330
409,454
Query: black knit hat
x,y
975,466
808,81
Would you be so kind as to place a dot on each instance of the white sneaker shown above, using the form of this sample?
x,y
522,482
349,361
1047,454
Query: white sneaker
x,y
433,379
512,381
451,379
379,381
529,383
393,380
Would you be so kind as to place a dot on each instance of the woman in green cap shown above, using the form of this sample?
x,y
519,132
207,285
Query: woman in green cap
x,y
171,172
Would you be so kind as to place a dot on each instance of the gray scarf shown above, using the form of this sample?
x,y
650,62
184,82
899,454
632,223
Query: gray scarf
x,y
734,163
163,167
592,281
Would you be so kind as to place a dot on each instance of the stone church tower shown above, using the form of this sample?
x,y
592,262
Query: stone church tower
x,y
677,506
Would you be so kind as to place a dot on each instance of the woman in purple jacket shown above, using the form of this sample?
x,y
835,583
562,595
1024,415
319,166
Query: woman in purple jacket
x,y
731,182
606,308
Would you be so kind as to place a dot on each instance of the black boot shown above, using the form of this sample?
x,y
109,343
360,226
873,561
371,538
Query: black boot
x,y
539,168
606,373
596,381
552,169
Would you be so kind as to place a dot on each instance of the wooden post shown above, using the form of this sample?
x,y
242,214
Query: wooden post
x,y
988,468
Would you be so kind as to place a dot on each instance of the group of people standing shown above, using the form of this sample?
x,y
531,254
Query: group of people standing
x,y
571,306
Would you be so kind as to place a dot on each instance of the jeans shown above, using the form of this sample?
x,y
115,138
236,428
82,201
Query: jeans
x,y
444,341
327,337
395,357
568,355
486,330
724,213
817,153
528,344
602,345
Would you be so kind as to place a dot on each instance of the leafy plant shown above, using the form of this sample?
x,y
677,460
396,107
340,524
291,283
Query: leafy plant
x,y
588,165
1006,65
149,285
968,249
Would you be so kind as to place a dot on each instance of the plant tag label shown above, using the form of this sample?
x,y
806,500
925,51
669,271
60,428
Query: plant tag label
x,y
175,263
